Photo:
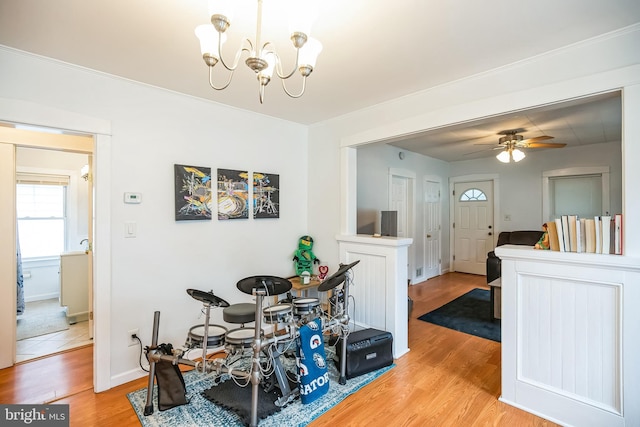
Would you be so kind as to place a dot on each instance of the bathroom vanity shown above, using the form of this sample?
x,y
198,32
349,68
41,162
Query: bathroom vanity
x,y
74,285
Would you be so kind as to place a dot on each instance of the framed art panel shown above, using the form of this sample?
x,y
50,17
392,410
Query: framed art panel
x,y
266,195
233,194
192,193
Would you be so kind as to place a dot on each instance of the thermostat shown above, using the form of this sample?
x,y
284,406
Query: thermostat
x,y
132,197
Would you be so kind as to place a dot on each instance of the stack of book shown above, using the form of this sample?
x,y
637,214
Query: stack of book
x,y
597,235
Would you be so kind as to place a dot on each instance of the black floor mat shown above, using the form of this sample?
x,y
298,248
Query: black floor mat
x,y
231,396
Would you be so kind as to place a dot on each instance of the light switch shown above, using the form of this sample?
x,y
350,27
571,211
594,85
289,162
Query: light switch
x,y
130,229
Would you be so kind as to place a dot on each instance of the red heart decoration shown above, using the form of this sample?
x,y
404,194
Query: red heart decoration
x,y
323,269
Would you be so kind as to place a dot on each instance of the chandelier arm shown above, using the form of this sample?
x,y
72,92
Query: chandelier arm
x,y
278,67
304,85
226,85
236,60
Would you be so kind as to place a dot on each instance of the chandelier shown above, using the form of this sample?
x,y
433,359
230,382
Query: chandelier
x,y
262,57
510,152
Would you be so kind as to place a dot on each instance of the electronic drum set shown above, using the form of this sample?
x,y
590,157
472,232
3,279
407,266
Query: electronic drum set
x,y
253,354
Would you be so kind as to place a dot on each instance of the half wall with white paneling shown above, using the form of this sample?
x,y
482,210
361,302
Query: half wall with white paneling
x,y
564,322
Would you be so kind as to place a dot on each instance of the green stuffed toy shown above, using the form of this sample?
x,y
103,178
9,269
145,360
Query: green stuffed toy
x,y
304,258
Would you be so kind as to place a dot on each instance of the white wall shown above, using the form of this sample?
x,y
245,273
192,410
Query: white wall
x,y
41,279
152,130
374,161
521,183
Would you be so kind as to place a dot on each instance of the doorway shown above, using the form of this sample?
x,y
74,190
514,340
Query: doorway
x,y
473,225
48,143
52,200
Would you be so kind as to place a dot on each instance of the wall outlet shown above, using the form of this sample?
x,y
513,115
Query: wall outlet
x,y
132,341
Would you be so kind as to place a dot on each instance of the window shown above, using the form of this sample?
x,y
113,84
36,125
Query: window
x,y
41,215
473,195
576,195
582,191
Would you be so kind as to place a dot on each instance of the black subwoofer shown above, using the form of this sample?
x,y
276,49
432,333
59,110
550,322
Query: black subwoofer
x,y
367,351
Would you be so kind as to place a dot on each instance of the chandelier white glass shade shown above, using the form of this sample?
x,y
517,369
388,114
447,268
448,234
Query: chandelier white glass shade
x,y
262,57
510,153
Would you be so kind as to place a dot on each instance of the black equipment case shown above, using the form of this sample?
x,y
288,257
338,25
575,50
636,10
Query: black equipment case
x,y
367,350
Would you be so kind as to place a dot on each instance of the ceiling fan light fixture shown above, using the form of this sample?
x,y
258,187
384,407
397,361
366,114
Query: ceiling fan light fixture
x,y
504,156
517,155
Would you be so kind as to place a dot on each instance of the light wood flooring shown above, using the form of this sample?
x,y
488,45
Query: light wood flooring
x,y
447,379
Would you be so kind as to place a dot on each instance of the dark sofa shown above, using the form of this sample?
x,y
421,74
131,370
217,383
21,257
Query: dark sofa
x,y
527,238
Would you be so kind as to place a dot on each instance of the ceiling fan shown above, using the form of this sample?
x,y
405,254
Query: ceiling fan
x,y
512,142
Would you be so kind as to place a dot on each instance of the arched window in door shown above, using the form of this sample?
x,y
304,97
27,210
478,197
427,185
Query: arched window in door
x,y
473,194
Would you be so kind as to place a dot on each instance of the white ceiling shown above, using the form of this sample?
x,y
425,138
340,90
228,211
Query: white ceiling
x,y
374,51
580,122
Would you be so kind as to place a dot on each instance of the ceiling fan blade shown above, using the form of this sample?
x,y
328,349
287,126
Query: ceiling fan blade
x,y
545,145
536,139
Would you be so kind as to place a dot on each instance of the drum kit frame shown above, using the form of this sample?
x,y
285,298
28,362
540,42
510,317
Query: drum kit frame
x,y
263,349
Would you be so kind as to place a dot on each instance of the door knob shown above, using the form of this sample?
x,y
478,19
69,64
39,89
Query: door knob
x,y
489,233
428,236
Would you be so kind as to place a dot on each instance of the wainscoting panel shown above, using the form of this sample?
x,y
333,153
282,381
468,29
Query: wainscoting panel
x,y
368,291
570,345
570,338
379,285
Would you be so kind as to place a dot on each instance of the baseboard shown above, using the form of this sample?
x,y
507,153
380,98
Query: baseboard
x,y
138,372
127,377
42,297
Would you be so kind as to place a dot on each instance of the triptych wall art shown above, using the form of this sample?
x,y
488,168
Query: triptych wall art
x,y
194,199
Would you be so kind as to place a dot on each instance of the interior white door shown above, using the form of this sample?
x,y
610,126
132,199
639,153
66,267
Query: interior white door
x,y
400,200
473,226
399,197
432,229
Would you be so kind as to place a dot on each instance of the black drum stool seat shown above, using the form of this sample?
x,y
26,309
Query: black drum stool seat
x,y
239,313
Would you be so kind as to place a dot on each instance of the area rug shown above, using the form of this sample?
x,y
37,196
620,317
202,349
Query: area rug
x,y
38,321
202,412
468,313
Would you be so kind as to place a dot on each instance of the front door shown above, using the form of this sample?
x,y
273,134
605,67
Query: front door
x,y
473,226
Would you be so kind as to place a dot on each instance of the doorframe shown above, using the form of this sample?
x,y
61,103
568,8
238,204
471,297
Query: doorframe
x,y
495,179
17,111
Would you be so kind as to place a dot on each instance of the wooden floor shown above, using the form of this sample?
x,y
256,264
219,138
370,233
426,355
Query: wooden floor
x,y
447,379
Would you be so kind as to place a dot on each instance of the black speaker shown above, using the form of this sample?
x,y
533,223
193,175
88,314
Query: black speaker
x,y
367,351
389,223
